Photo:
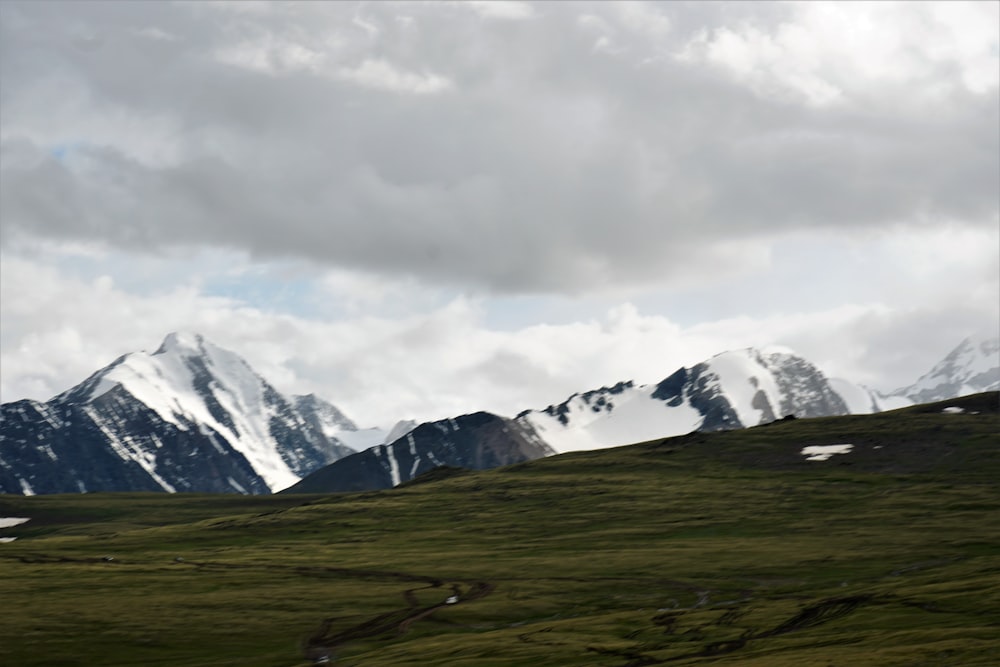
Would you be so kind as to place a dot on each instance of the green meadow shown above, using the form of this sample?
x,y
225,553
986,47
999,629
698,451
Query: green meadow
x,y
722,549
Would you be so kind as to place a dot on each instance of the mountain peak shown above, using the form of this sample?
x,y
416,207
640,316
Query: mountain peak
x,y
971,367
183,341
752,352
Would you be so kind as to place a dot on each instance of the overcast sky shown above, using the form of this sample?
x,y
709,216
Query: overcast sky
x,y
419,209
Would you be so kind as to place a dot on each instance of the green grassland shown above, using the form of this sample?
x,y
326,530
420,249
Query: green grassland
x,y
722,549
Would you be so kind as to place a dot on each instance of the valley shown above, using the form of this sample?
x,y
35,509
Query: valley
x,y
711,548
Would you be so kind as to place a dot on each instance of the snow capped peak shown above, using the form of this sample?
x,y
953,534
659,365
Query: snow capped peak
x,y
764,385
778,349
975,354
755,353
192,383
196,386
183,342
749,384
973,366
736,388
327,415
401,428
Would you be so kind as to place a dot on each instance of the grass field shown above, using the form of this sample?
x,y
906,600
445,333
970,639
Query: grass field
x,y
722,549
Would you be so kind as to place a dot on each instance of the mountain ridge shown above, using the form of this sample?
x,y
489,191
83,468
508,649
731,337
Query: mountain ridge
x,y
188,400
476,441
195,417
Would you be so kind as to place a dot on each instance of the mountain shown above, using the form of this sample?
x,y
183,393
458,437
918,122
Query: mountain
x,y
478,441
336,427
972,367
189,417
731,390
195,417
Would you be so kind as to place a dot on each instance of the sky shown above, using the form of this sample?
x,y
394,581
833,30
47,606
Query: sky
x,y
419,209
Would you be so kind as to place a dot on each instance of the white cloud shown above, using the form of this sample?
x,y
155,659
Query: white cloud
x,y
826,50
368,26
642,18
382,75
817,175
500,9
269,54
440,358
157,34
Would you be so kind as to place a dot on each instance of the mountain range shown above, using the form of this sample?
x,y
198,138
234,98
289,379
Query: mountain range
x,y
192,416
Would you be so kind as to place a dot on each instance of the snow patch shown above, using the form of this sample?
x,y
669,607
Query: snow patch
x,y
636,417
9,522
953,410
823,452
413,453
26,488
390,456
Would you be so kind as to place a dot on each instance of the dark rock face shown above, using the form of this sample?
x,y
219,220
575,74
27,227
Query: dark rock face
x,y
69,448
705,395
805,391
599,400
476,441
700,386
671,390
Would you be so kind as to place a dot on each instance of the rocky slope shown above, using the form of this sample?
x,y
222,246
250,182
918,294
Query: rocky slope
x,y
477,441
189,417
731,390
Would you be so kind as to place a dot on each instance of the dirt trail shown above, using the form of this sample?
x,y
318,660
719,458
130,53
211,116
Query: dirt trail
x,y
321,645
810,617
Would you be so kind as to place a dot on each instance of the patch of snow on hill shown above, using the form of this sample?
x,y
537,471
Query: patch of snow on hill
x,y
824,452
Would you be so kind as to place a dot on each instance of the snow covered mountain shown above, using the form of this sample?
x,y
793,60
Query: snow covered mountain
x,y
746,388
195,417
972,367
333,424
478,441
730,390
189,417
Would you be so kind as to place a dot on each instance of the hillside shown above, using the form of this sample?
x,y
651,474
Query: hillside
x,y
714,548
478,441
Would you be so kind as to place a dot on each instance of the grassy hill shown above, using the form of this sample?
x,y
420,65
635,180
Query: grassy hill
x,y
724,549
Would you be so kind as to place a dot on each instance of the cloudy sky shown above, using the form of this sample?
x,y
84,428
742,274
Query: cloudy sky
x,y
418,209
